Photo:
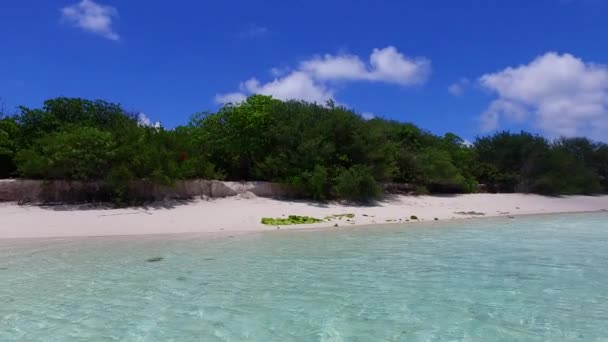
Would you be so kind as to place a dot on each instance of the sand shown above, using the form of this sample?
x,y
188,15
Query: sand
x,y
243,214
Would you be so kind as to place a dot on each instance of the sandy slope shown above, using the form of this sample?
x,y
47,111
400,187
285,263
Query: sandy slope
x,y
243,213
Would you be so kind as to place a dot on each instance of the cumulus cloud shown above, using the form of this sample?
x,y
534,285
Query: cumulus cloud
x,y
277,72
467,143
93,17
385,65
560,93
512,111
144,120
314,79
235,97
460,87
368,115
296,85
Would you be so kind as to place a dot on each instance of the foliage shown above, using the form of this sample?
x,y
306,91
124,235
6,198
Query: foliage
x,y
79,154
321,151
9,132
527,163
236,134
440,174
313,184
510,162
339,216
569,168
290,220
356,183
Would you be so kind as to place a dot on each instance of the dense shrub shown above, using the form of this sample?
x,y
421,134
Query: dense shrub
x,y
9,131
83,153
356,183
322,151
313,184
440,174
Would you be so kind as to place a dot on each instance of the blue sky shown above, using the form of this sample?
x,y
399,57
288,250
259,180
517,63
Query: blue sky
x,y
468,67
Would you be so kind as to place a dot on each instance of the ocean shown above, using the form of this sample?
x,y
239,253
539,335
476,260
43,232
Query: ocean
x,y
530,278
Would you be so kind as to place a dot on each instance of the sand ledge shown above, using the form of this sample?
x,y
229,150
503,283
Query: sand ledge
x,y
243,214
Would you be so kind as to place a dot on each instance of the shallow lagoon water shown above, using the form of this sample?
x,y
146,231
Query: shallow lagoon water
x,y
534,278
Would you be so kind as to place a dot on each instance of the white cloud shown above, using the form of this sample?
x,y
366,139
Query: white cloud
x,y
513,111
144,120
459,88
235,97
345,67
296,85
561,93
368,115
313,80
93,17
385,65
276,72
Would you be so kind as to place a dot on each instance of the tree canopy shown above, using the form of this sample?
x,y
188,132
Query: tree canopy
x,y
321,151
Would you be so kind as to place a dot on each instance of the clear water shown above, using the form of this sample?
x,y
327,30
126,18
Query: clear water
x,y
525,279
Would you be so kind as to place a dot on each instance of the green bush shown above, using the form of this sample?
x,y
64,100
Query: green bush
x,y
564,174
322,151
440,173
313,184
9,131
357,184
83,153
118,179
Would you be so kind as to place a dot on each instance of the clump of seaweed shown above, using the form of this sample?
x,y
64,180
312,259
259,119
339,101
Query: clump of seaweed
x,y
474,213
339,216
290,220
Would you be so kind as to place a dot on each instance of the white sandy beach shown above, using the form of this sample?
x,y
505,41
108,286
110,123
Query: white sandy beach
x,y
243,214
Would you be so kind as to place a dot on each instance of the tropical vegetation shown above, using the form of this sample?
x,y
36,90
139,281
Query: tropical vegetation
x,y
321,151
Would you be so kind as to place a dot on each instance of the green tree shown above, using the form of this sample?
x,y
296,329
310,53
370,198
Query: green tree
x,y
601,162
61,113
510,162
235,135
322,151
440,173
9,132
84,153
570,167
356,183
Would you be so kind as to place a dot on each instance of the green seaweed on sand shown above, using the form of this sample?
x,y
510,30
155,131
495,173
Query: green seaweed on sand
x,y
474,213
339,216
290,220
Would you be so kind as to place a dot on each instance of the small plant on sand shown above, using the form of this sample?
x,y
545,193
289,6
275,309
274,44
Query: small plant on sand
x,y
414,217
339,216
473,213
290,220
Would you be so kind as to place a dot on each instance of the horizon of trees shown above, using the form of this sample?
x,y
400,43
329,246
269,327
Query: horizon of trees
x,y
321,151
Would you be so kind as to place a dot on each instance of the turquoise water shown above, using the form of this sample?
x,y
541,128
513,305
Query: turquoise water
x,y
524,279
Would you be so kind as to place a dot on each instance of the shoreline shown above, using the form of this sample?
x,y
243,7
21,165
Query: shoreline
x,y
242,214
294,229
